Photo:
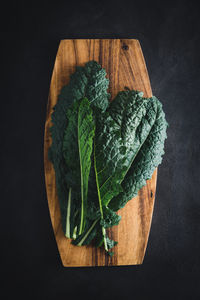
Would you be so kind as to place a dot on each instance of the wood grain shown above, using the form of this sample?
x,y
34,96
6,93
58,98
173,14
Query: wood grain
x,y
125,67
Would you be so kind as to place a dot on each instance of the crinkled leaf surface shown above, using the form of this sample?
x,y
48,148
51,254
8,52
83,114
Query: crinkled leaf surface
x,y
77,150
120,134
110,218
147,159
87,81
128,146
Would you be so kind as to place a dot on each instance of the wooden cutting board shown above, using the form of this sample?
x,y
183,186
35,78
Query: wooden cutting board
x,y
125,67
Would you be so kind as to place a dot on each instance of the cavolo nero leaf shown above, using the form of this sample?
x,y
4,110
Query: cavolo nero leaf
x,y
118,139
88,81
110,218
148,158
77,150
120,133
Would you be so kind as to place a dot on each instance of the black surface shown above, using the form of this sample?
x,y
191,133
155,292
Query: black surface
x,y
169,36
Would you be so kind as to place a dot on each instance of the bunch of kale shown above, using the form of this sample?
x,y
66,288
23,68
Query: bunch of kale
x,y
103,152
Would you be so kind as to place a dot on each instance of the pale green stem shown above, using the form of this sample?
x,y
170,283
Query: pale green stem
x,y
100,204
87,233
67,231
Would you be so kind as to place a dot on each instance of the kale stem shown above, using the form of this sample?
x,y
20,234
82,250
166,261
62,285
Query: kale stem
x,y
100,202
82,194
104,238
67,232
87,233
74,232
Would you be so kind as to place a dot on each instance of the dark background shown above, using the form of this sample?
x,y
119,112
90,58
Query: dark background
x,y
169,36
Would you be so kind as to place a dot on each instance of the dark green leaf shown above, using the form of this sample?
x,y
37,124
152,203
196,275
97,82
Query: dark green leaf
x,y
128,146
120,134
89,81
110,242
110,218
77,150
148,158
